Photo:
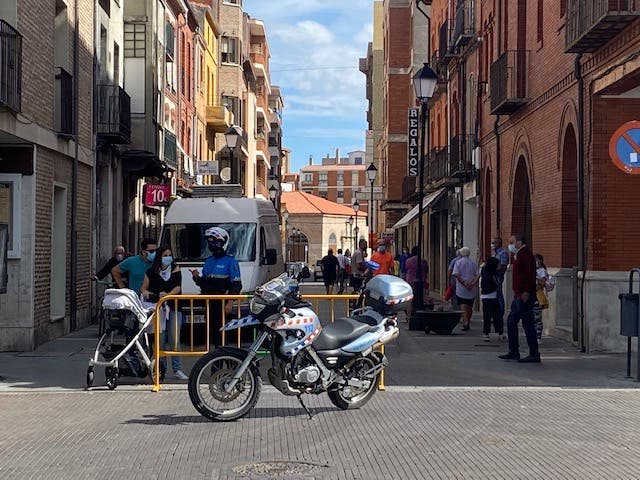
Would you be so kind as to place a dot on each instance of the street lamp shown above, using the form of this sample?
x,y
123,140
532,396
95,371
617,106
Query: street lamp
x,y
231,136
273,193
372,173
285,216
355,236
353,248
424,83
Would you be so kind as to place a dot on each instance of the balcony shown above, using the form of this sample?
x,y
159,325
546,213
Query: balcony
x,y
509,80
114,114
445,52
461,156
410,189
591,24
64,103
441,71
219,118
464,28
440,174
10,67
170,150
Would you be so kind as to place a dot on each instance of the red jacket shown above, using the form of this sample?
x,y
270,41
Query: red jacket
x,y
524,272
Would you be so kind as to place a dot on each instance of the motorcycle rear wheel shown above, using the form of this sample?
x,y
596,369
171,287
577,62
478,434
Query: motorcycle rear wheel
x,y
344,398
206,387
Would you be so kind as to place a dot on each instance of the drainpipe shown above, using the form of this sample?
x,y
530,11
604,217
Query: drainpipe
x,y
496,132
73,320
582,247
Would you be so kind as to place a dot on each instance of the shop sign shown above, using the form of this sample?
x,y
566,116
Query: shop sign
x,y
157,195
412,146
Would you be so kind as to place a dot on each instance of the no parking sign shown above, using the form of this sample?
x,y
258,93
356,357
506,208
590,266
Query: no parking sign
x,y
624,148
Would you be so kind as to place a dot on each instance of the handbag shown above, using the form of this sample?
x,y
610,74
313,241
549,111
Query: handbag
x,y
448,293
543,301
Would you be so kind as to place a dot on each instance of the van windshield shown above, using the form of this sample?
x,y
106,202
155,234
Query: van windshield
x,y
189,245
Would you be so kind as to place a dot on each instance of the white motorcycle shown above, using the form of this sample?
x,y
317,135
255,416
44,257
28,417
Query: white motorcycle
x,y
341,358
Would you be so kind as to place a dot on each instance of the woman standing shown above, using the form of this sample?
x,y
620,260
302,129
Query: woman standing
x,y
465,271
489,285
162,279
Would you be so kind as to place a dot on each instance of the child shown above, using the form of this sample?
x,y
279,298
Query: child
x,y
541,297
489,295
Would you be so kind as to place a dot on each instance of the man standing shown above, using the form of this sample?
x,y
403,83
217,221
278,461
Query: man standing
x,y
136,266
503,262
524,296
357,265
384,258
465,272
342,264
330,267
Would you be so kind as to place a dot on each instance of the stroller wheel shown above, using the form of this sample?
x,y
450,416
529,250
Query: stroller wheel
x,y
90,377
112,377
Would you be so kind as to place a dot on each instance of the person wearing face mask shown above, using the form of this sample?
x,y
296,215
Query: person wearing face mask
x,y
385,260
136,267
220,274
119,255
524,297
402,262
502,256
162,279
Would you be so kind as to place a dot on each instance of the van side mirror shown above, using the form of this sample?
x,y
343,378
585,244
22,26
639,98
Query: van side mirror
x,y
270,256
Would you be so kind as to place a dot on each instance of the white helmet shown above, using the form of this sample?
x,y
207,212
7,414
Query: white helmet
x,y
217,235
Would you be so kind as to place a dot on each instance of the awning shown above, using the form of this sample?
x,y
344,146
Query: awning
x,y
428,200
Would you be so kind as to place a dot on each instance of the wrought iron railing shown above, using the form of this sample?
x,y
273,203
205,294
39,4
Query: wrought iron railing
x,y
592,23
439,164
445,50
10,67
509,82
464,27
461,155
114,114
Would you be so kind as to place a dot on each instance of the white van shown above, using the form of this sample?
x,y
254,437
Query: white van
x,y
253,230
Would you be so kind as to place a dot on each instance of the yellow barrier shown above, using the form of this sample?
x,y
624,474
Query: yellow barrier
x,y
179,304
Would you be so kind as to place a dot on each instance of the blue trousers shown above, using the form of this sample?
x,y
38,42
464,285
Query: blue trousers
x,y
522,310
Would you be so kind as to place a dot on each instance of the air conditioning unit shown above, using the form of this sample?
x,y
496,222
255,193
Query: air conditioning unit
x,y
174,187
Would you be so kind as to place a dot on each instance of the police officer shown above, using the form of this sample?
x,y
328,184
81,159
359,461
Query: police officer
x,y
220,274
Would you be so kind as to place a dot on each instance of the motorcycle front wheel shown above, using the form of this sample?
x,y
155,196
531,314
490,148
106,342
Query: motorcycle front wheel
x,y
207,382
348,397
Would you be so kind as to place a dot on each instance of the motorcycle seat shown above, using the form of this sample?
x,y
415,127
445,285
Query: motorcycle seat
x,y
339,333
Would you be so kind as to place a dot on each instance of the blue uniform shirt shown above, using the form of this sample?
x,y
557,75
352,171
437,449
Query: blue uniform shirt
x,y
219,275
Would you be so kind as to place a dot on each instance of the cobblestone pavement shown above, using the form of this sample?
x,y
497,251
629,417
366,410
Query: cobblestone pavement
x,y
403,433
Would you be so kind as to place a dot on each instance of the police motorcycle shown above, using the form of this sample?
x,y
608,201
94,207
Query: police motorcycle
x,y
340,358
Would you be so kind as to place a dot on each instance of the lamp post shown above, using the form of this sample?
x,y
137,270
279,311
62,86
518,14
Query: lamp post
x,y
273,193
372,172
424,83
353,248
231,136
285,216
356,230
356,207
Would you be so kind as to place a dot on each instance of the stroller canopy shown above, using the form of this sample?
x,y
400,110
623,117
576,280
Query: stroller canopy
x,y
125,299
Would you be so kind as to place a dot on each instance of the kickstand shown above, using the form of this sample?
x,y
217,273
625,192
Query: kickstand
x,y
305,408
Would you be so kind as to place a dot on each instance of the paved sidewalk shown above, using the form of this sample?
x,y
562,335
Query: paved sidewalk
x,y
401,434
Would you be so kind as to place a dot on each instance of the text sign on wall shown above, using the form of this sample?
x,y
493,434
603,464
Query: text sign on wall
x,y
157,195
412,147
624,148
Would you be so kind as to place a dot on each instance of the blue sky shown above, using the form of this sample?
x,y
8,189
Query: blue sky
x,y
315,47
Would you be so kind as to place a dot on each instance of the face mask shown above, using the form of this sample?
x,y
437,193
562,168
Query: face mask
x,y
167,261
151,257
119,256
493,246
512,248
382,249
216,250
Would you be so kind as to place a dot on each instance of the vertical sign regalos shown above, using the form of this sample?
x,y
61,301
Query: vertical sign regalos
x,y
412,146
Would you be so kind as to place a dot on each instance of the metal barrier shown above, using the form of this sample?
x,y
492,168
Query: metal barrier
x,y
194,302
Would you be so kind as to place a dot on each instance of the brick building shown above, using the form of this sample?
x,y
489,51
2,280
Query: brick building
x,y
45,181
529,96
338,179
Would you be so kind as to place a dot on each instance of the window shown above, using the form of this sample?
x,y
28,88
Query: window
x,y
229,48
341,177
235,105
189,245
563,8
323,177
540,21
116,63
134,40
308,178
354,178
358,160
10,209
323,194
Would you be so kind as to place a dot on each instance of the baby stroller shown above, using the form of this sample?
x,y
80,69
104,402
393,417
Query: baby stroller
x,y
123,348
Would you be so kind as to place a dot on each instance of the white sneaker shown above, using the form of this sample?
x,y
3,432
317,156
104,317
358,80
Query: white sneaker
x,y
486,338
180,375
